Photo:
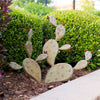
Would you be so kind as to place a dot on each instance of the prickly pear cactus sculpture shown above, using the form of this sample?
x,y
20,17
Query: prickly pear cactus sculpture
x,y
58,72
83,63
41,57
65,47
29,48
53,20
15,66
88,55
30,35
60,32
30,66
51,47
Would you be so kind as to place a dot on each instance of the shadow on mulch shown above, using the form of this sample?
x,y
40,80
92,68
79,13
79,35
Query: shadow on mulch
x,y
19,86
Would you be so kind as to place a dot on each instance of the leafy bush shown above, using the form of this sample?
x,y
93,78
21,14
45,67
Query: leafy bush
x,y
4,19
39,9
16,36
88,6
82,31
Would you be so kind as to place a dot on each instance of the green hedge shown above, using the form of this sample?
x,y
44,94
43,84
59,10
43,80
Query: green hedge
x,y
82,31
38,9
16,35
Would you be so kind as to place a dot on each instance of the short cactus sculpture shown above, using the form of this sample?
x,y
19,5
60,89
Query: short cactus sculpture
x,y
57,72
61,71
83,63
30,66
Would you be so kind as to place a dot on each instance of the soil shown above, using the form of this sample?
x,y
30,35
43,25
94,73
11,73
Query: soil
x,y
20,86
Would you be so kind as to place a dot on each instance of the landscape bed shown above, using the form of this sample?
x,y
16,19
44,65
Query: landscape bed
x,y
19,86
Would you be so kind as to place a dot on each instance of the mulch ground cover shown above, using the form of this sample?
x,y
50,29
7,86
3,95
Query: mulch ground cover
x,y
20,86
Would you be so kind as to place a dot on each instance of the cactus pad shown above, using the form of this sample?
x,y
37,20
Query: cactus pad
x,y
51,47
32,68
28,48
30,35
53,20
60,32
41,57
65,47
60,72
15,66
80,65
88,55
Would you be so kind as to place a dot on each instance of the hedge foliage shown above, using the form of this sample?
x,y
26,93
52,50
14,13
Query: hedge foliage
x,y
16,35
38,9
82,31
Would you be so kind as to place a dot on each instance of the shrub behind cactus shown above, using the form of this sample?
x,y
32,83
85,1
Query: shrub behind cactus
x,y
82,32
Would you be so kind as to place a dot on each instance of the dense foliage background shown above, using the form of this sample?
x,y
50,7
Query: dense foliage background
x,y
82,31
38,9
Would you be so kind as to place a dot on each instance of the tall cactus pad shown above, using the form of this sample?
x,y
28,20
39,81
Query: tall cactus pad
x,y
28,48
60,32
51,47
88,55
15,66
65,47
60,72
30,35
80,65
32,68
41,57
53,20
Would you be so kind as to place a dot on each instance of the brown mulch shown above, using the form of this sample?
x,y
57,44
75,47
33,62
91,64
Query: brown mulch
x,y
19,86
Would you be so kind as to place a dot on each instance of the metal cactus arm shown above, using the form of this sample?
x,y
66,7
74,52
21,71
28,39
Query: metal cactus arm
x,y
51,48
41,57
29,48
52,20
60,72
15,66
32,68
65,47
60,32
30,34
83,63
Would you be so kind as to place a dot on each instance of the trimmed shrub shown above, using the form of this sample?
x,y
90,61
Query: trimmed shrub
x,y
39,9
82,31
15,37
